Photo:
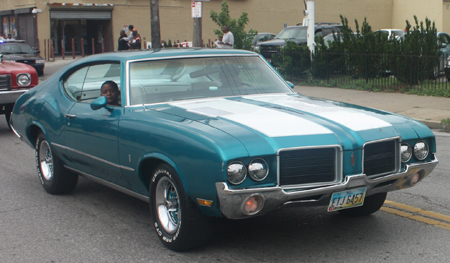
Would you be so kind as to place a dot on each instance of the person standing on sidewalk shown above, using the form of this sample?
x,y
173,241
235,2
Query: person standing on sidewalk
x,y
136,42
123,44
130,37
227,39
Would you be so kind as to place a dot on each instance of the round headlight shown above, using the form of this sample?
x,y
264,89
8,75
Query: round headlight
x,y
236,172
23,79
258,169
421,150
406,152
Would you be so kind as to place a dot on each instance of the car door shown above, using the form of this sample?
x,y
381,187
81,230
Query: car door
x,y
92,135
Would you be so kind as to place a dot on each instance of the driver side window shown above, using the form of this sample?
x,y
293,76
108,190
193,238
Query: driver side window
x,y
84,85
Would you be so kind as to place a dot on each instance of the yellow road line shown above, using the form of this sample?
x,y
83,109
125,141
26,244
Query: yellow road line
x,y
417,214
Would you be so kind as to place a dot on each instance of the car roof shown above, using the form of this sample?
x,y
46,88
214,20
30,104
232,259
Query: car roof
x,y
6,41
162,53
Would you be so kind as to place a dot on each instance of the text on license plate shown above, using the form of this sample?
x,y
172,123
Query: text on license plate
x,y
347,199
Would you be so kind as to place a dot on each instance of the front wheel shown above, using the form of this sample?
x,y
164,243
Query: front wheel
x,y
371,204
178,222
54,177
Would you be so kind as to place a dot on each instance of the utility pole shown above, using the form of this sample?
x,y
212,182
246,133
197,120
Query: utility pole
x,y
197,10
154,24
309,21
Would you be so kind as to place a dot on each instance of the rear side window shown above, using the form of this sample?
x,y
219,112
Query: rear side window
x,y
84,85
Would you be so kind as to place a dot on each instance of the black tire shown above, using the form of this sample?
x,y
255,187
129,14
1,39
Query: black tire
x,y
40,72
53,176
178,222
371,205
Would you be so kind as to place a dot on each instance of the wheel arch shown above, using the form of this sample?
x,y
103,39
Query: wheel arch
x,y
148,164
33,131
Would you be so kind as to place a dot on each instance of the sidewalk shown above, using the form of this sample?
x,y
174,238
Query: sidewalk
x,y
429,110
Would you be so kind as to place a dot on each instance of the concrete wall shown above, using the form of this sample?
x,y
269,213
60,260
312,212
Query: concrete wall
x,y
378,13
445,17
406,9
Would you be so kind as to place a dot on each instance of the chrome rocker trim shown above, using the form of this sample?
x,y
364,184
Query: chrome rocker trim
x,y
232,201
109,184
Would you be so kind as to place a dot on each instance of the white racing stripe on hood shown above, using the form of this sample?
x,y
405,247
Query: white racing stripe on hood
x,y
270,122
353,119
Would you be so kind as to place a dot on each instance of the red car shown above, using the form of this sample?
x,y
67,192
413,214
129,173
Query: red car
x,y
15,79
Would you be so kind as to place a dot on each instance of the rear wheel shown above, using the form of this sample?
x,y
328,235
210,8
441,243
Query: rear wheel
x,y
371,204
178,222
54,177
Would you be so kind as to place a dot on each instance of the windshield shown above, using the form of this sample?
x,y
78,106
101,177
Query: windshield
x,y
191,78
293,33
16,48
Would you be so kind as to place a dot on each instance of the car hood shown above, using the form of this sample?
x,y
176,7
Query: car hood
x,y
10,67
280,42
20,56
266,123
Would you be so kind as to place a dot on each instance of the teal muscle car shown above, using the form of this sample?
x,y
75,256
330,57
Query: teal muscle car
x,y
204,133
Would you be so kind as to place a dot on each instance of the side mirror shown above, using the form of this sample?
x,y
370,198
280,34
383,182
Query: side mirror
x,y
37,52
290,84
100,102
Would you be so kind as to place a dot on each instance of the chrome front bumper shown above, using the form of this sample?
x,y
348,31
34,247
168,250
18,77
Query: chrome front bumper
x,y
232,201
10,96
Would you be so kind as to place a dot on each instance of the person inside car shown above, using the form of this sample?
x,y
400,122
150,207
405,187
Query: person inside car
x,y
112,93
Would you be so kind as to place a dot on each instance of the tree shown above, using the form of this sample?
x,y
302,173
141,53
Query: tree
x,y
242,39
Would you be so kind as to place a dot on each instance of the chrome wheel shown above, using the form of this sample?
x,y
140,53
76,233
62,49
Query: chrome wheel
x,y
167,205
46,160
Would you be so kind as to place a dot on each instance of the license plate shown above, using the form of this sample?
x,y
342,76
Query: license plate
x,y
347,199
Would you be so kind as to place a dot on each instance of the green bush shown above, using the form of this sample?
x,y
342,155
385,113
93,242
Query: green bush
x,y
366,55
416,55
242,39
294,61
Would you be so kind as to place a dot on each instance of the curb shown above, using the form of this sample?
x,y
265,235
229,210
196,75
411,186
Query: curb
x,y
435,125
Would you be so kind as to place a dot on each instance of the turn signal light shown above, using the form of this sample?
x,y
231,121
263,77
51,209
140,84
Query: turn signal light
x,y
204,202
415,179
253,204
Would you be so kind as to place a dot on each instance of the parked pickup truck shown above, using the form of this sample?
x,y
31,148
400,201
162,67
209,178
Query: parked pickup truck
x,y
15,79
297,34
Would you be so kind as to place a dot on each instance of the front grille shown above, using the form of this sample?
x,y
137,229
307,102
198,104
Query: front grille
x,y
5,82
308,166
26,61
380,157
269,50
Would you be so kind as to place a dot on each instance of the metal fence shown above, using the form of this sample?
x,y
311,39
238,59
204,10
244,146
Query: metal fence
x,y
369,71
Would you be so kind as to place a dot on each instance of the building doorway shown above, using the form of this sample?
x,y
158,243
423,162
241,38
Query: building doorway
x,y
88,32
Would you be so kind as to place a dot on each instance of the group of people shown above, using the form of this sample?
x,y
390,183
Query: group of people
x,y
133,41
8,38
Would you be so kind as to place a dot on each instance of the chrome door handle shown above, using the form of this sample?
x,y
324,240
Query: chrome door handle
x,y
70,116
